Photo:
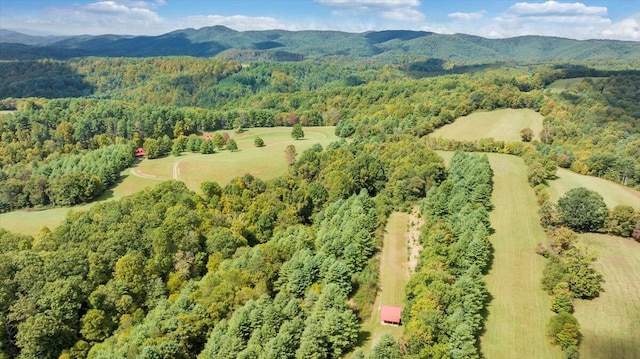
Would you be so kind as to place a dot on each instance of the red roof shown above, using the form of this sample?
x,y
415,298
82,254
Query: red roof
x,y
390,314
139,152
207,137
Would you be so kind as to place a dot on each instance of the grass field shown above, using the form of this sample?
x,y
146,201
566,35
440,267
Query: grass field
x,y
558,86
519,308
394,275
503,125
30,222
612,193
610,324
266,163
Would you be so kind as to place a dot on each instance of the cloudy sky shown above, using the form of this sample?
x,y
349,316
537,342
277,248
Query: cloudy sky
x,y
580,20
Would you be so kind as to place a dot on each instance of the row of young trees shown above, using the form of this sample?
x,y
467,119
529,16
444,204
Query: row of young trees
x,y
447,294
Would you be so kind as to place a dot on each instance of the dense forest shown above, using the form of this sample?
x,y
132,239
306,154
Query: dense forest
x,y
288,268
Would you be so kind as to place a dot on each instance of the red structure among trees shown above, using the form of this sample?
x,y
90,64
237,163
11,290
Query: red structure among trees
x,y
390,315
139,152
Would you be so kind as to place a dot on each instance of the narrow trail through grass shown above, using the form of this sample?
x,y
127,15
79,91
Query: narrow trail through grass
x,y
394,275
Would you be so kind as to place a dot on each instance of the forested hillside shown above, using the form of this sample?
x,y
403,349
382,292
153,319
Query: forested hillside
x,y
280,45
285,268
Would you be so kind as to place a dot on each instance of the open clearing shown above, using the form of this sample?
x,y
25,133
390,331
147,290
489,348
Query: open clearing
x,y
610,324
503,125
265,162
558,86
192,168
613,193
519,309
394,275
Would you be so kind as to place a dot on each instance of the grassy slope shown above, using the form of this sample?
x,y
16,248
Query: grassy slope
x,y
558,86
394,275
30,222
266,162
503,124
612,193
610,323
519,309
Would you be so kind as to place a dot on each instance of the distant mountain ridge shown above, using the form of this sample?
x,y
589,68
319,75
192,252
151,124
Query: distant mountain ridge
x,y
282,45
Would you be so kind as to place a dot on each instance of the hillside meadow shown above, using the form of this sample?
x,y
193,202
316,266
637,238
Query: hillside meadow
x,y
192,168
518,308
501,125
609,323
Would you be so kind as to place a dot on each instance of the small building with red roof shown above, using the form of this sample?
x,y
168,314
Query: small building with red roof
x,y
390,315
208,136
139,152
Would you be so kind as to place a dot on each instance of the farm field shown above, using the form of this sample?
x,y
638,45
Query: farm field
x,y
266,163
502,124
610,323
394,275
613,193
519,308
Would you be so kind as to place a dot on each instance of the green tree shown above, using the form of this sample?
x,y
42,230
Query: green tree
x,y
297,132
563,330
290,154
232,145
526,134
622,221
385,348
583,210
258,142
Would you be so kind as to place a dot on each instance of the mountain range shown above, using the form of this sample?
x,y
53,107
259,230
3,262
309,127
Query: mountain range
x,y
281,45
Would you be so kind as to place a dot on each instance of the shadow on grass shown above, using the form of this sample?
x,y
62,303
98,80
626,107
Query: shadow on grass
x,y
363,337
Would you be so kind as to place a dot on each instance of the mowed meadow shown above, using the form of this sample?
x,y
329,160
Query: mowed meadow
x,y
609,323
501,125
519,308
192,168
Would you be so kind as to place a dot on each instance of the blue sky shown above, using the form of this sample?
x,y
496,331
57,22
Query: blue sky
x,y
581,20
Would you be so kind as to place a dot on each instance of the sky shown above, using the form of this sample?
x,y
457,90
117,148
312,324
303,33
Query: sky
x,y
597,19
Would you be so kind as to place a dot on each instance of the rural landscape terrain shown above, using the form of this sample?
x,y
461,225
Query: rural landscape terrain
x,y
215,193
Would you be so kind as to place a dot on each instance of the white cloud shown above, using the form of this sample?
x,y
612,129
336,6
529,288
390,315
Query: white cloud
x,y
397,10
467,16
627,29
556,8
236,22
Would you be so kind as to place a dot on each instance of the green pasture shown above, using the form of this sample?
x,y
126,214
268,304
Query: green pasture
x,y
519,309
394,275
265,162
193,168
610,324
561,85
613,193
504,125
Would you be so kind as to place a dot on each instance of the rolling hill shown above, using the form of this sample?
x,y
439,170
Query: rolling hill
x,y
284,45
